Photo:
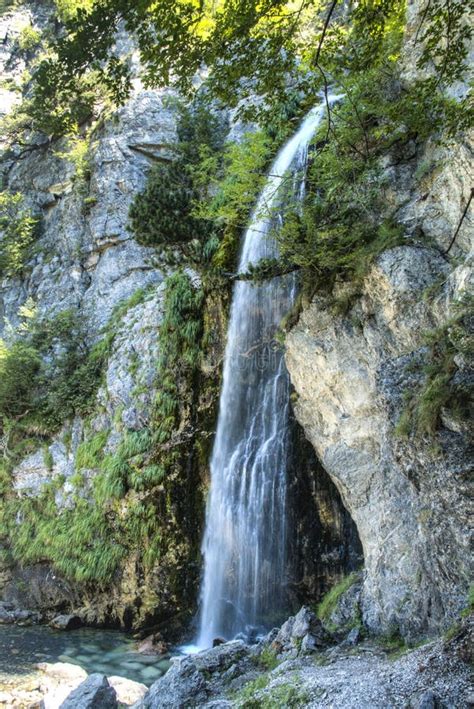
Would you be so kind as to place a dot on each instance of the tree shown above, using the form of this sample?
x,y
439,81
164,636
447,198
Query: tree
x,y
249,47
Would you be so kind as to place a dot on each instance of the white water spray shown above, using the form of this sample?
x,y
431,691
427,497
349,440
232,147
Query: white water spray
x,y
244,544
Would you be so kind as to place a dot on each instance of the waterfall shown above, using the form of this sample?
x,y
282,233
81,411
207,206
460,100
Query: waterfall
x,y
245,537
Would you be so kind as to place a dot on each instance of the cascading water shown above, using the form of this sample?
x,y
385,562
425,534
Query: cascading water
x,y
245,538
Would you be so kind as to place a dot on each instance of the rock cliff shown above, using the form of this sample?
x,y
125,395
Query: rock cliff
x,y
355,373
352,372
86,261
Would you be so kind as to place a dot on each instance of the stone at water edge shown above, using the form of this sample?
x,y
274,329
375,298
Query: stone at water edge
x,y
128,692
66,622
61,672
94,693
194,679
58,680
305,627
6,618
153,645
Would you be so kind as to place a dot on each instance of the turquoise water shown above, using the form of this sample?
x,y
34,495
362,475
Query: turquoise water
x,y
106,651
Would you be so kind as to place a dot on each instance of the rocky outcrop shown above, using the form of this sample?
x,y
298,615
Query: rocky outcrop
x,y
233,675
86,260
66,622
94,693
351,373
354,374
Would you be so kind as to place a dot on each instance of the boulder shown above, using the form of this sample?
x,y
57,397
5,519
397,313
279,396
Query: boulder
x,y
305,622
127,691
192,680
153,645
353,637
305,627
180,686
6,617
58,680
94,693
66,622
428,701
308,644
26,617
347,611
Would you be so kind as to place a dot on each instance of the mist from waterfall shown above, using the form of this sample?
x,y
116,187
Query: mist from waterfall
x,y
245,538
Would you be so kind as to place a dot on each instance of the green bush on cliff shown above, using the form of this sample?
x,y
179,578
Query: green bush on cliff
x,y
163,214
18,230
439,390
48,374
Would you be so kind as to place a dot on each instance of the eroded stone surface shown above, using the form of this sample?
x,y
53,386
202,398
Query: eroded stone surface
x,y
350,373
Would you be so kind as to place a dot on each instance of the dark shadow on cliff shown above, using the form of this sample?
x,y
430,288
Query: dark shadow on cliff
x,y
323,544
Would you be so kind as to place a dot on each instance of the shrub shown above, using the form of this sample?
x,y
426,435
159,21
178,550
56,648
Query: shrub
x,y
247,697
47,376
18,229
422,409
268,659
162,213
19,367
28,39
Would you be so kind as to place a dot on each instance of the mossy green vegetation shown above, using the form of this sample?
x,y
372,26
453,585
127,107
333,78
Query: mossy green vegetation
x,y
82,542
469,610
19,228
140,492
440,389
286,694
7,5
89,453
245,698
48,374
268,659
329,602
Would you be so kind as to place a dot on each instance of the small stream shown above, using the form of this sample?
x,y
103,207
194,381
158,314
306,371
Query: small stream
x,y
107,651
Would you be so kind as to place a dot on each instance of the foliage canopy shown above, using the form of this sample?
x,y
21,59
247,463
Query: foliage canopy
x,y
243,47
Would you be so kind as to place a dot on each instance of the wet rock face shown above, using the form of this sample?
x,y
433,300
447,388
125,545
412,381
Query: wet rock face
x,y
324,543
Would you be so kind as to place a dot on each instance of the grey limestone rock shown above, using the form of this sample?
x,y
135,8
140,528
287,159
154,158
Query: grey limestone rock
x,y
350,373
94,693
66,622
